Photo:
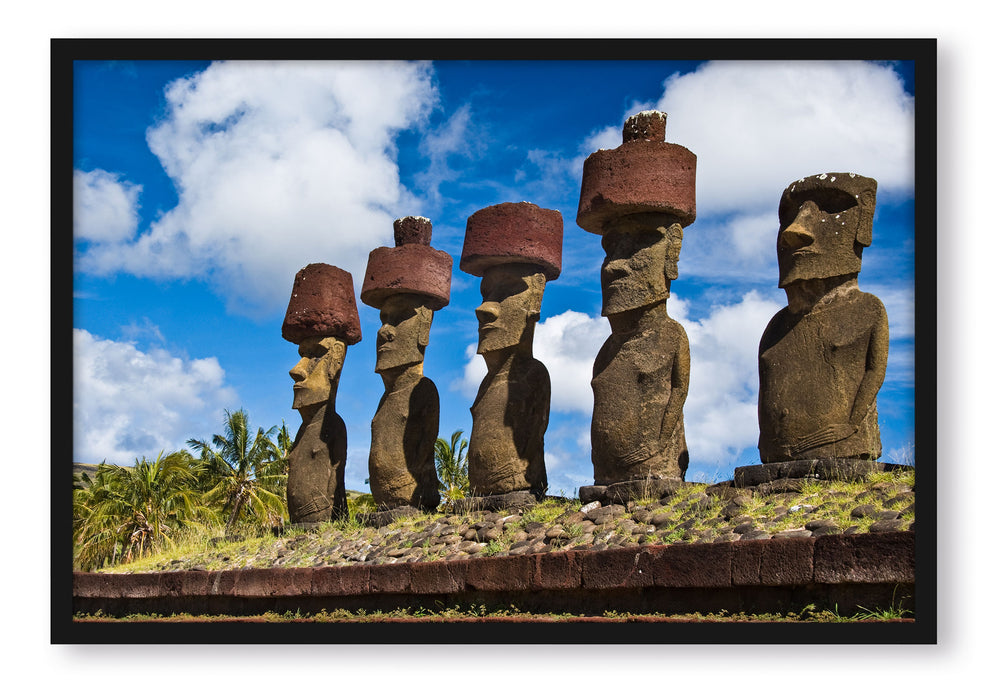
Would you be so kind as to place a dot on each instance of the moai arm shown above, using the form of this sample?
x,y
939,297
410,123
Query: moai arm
x,y
876,368
873,374
423,425
679,377
337,440
534,421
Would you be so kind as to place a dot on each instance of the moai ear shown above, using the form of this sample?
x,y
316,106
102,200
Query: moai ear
x,y
675,235
337,352
425,316
864,232
537,283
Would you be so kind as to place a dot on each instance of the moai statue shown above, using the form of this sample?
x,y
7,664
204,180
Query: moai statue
x,y
515,248
638,197
823,357
322,319
407,284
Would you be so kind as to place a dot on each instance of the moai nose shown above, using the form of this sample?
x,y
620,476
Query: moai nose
x,y
386,334
800,232
298,373
487,312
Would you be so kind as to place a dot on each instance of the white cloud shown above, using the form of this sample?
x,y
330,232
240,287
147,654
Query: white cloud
x,y
899,303
130,403
474,372
720,412
458,136
720,417
276,165
568,344
105,207
758,126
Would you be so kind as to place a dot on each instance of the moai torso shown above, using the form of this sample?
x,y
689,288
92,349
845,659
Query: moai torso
x,y
315,486
811,371
403,432
635,377
510,415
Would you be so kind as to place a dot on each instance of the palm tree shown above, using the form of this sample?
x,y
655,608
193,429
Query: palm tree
x,y
452,467
245,475
126,511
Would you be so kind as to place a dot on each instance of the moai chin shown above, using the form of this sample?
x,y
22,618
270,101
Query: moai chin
x,y
639,197
322,319
823,357
515,248
407,284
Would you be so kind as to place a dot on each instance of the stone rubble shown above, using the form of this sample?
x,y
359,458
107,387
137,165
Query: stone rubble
x,y
713,515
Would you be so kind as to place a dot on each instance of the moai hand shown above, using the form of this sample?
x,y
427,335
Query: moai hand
x,y
407,283
639,197
322,320
515,248
822,359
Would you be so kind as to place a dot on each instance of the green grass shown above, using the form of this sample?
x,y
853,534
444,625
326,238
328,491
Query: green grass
x,y
439,613
207,548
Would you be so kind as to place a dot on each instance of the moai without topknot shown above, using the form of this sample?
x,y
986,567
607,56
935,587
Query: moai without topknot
x,y
639,197
515,248
407,284
823,357
322,319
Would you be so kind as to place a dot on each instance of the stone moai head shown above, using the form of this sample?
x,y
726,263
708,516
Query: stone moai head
x,y
516,249
322,319
407,284
638,197
825,222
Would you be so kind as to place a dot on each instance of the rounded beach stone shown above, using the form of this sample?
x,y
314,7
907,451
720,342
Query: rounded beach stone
x,y
322,304
645,175
513,232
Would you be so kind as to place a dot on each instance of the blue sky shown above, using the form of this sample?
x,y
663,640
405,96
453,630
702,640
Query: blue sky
x,y
201,188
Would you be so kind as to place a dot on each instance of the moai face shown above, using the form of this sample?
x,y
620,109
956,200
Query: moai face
x,y
638,266
405,331
824,227
512,296
317,371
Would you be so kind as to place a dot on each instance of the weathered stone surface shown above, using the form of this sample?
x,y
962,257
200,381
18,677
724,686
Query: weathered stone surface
x,y
862,558
639,197
406,283
515,248
513,232
502,501
640,376
512,409
412,229
411,267
315,484
822,359
643,175
823,469
322,304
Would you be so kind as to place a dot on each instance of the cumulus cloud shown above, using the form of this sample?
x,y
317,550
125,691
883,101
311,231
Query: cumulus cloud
x,y
758,126
720,412
276,165
568,344
720,418
129,403
105,207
